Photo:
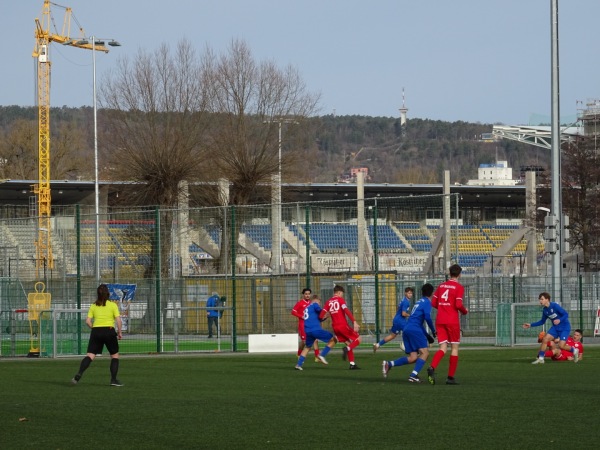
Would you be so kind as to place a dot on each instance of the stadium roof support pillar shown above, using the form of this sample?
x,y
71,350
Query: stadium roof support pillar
x,y
276,225
530,223
446,223
183,235
360,221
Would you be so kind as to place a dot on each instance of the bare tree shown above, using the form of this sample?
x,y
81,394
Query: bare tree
x,y
581,195
248,99
157,116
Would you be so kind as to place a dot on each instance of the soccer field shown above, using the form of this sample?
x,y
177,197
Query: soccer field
x,y
249,401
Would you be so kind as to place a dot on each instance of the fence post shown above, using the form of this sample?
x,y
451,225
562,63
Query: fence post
x,y
78,285
376,264
307,233
514,288
580,301
233,279
157,274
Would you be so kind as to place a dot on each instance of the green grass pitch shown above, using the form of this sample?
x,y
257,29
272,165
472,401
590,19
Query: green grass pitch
x,y
246,401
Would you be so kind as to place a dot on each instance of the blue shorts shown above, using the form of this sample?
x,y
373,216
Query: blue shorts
x,y
398,325
321,335
561,331
414,339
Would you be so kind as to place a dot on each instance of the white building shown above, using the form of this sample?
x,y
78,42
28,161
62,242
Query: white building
x,y
498,174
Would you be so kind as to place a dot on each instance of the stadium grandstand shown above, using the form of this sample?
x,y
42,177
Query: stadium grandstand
x,y
334,234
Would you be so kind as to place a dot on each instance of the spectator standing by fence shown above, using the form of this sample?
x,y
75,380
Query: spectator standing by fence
x,y
212,315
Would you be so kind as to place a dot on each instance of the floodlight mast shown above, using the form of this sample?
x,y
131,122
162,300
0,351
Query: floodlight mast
x,y
556,193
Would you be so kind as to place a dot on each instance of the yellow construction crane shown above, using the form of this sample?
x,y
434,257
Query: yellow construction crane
x,y
43,37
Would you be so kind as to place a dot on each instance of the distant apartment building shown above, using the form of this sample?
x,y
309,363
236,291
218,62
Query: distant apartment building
x,y
350,177
497,174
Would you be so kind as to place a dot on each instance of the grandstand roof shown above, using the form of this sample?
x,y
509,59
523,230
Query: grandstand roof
x,y
509,196
64,192
540,136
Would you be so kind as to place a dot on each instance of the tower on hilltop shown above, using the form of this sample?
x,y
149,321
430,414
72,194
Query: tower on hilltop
x,y
403,112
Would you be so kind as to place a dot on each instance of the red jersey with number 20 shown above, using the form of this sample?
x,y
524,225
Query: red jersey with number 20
x,y
337,308
448,299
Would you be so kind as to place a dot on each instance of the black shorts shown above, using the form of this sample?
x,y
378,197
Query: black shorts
x,y
101,336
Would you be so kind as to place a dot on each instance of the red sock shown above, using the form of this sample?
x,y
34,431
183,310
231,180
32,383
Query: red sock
x,y
453,365
350,355
437,358
355,343
317,351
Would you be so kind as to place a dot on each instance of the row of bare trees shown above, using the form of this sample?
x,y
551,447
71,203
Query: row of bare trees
x,y
175,115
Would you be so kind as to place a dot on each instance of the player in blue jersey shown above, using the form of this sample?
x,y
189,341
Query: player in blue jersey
x,y
415,337
314,331
399,321
561,327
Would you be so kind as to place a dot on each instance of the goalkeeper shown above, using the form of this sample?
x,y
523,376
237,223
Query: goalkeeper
x,y
415,337
561,328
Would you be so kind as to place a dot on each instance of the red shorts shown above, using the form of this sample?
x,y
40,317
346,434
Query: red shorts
x,y
449,333
345,334
301,332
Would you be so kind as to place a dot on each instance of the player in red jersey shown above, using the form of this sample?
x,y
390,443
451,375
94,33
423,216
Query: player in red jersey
x,y
298,311
557,354
448,299
338,310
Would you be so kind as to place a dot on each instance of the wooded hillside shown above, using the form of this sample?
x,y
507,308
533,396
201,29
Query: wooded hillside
x,y
329,147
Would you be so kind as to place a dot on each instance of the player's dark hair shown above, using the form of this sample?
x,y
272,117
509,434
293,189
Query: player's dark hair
x,y
305,290
545,295
579,331
103,295
427,290
338,288
408,289
455,270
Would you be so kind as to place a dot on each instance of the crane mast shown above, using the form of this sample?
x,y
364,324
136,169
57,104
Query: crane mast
x,y
43,37
42,189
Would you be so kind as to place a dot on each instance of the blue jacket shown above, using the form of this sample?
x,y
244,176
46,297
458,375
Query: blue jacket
x,y
213,301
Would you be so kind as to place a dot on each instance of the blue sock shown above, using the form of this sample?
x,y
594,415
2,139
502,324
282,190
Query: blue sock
x,y
572,349
400,361
419,365
382,342
325,351
541,354
301,360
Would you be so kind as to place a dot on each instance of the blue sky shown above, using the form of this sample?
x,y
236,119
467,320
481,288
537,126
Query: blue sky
x,y
474,60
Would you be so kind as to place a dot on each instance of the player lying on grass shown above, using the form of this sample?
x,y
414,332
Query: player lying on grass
x,y
314,331
561,327
557,354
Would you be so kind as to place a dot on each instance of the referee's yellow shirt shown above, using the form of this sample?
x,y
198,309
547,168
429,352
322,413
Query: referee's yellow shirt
x,y
104,316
